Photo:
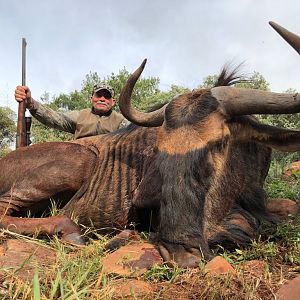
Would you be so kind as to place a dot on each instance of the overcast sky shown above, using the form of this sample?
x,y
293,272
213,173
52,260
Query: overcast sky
x,y
184,41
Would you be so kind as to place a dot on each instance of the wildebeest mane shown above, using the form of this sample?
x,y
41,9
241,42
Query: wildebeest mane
x,y
230,76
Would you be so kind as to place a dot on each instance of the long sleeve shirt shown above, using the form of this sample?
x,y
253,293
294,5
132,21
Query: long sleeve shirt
x,y
81,123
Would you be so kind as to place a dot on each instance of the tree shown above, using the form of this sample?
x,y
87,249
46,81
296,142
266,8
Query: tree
x,y
255,81
41,133
7,129
144,89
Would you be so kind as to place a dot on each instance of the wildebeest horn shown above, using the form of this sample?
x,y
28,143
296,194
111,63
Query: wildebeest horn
x,y
149,119
237,101
292,38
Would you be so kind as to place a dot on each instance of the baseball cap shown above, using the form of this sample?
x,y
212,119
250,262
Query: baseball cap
x,y
103,86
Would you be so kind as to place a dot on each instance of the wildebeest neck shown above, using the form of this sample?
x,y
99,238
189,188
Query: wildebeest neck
x,y
122,160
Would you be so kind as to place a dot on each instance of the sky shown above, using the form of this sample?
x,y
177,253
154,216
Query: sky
x,y
183,40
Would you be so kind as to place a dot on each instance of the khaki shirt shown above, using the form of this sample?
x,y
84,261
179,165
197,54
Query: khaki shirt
x,y
81,123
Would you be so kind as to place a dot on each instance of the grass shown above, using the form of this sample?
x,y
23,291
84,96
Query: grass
x,y
278,186
78,274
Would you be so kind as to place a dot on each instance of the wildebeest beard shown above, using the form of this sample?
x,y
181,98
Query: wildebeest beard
x,y
186,179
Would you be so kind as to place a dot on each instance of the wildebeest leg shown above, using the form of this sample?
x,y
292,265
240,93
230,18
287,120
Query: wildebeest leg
x,y
63,226
30,179
30,193
236,231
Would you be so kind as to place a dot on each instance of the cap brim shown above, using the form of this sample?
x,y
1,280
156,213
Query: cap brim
x,y
103,89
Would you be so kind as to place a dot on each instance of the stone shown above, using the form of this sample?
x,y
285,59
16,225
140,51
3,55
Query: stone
x,y
254,267
283,207
218,266
130,288
292,169
290,290
24,258
132,260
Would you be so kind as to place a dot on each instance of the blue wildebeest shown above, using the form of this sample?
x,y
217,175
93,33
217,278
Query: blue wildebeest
x,y
196,166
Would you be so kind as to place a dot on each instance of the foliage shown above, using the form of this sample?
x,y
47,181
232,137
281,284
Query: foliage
x,y
163,272
278,186
7,129
276,242
255,81
144,88
41,133
162,97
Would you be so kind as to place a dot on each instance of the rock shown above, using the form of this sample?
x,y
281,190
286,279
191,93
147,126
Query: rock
x,y
254,267
134,259
24,258
283,207
290,290
292,169
218,265
131,289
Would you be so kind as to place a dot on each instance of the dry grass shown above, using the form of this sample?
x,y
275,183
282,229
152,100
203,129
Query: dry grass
x,y
77,273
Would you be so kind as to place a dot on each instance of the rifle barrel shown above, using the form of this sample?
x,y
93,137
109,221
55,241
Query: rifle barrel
x,y
24,44
21,129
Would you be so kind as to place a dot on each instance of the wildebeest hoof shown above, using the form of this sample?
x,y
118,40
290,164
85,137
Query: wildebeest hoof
x,y
184,257
121,239
74,238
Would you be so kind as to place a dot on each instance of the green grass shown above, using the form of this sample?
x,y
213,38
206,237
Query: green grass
x,y
278,186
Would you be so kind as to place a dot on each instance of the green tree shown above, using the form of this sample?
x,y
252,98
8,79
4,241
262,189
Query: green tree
x,y
208,82
41,133
7,129
162,97
255,81
144,89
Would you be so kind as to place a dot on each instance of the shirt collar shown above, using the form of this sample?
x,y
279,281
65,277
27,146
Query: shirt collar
x,y
101,114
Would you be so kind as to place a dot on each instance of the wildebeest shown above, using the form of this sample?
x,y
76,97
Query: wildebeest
x,y
193,170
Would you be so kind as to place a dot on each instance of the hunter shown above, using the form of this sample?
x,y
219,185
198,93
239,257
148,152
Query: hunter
x,y
99,119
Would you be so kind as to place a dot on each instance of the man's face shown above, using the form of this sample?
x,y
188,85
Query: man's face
x,y
102,101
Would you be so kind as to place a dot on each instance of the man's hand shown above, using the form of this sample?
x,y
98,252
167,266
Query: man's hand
x,y
23,93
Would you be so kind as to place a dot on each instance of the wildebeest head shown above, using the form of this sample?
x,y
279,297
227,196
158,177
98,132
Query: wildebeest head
x,y
196,146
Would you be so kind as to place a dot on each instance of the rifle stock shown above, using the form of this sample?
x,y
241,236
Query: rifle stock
x,y
21,128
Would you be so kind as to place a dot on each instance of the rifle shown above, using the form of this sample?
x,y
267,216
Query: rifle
x,y
24,123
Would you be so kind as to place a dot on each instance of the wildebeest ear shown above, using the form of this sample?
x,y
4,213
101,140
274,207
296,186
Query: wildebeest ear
x,y
292,38
248,128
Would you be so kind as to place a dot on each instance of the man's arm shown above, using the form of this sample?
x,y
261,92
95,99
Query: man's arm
x,y
51,118
47,116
